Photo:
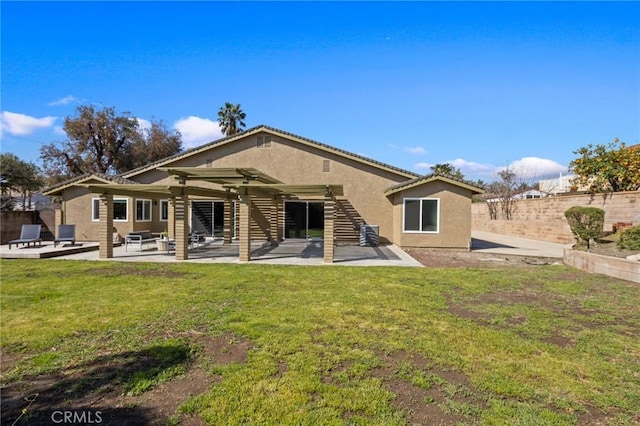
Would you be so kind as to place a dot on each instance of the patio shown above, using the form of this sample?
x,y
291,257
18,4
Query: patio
x,y
291,252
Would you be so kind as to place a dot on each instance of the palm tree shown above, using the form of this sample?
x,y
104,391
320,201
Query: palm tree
x,y
230,118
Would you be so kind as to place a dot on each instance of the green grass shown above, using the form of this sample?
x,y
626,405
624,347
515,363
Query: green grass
x,y
319,334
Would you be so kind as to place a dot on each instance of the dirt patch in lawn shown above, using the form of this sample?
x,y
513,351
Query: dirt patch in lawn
x,y
426,393
129,270
453,258
96,392
478,309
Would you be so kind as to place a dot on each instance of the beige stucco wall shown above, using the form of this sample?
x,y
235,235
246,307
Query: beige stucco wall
x,y
293,163
77,205
455,216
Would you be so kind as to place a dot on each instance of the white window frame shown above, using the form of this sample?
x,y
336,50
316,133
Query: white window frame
x,y
95,213
148,210
404,226
166,219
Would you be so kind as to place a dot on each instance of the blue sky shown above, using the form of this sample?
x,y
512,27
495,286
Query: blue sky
x,y
479,85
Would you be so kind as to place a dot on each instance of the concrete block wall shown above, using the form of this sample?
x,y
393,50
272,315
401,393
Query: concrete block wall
x,y
543,218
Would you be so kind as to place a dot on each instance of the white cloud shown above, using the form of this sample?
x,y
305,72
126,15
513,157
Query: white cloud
x,y
423,166
59,130
143,124
535,168
468,168
64,101
21,125
473,168
416,150
196,131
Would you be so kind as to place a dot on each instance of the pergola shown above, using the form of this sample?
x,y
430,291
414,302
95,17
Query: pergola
x,y
228,184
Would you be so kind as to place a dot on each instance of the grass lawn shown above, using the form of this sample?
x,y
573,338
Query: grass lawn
x,y
262,344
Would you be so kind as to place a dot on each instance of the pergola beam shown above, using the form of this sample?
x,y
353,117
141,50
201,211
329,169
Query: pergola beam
x,y
285,189
220,174
133,190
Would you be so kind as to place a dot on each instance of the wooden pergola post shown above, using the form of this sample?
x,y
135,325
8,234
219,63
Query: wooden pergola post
x,y
105,228
329,222
171,218
227,230
245,226
274,222
58,218
182,226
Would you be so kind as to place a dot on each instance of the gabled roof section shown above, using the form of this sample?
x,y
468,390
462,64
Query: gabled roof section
x,y
402,186
275,132
100,177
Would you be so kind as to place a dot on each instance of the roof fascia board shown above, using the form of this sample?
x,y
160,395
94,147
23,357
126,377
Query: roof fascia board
x,y
425,181
58,190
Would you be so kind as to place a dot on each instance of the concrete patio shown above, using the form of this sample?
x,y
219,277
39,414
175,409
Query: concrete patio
x,y
291,252
288,252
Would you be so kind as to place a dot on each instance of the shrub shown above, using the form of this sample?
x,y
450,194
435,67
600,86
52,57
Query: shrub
x,y
630,238
586,223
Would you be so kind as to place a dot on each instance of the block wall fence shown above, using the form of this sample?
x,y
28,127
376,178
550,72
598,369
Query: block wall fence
x,y
543,218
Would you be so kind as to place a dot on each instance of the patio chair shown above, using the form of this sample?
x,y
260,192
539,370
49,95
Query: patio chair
x,y
28,234
194,240
65,233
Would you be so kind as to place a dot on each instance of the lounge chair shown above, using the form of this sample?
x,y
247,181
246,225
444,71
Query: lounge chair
x,y
65,233
28,234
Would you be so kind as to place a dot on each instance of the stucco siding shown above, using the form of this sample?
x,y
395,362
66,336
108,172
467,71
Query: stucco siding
x,y
454,217
77,209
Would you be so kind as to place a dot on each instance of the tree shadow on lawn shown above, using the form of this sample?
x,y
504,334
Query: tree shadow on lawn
x,y
86,393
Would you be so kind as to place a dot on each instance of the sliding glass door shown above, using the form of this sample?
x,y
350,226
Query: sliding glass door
x,y
303,219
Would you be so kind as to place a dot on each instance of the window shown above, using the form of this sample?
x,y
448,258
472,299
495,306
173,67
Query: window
x,y
164,210
208,163
326,166
143,210
422,215
120,209
264,141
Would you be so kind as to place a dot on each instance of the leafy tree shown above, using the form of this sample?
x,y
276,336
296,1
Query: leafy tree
x,y
614,167
231,118
447,170
153,144
508,187
586,223
18,176
499,194
106,142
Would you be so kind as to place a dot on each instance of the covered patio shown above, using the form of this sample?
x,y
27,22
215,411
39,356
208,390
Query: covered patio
x,y
239,185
